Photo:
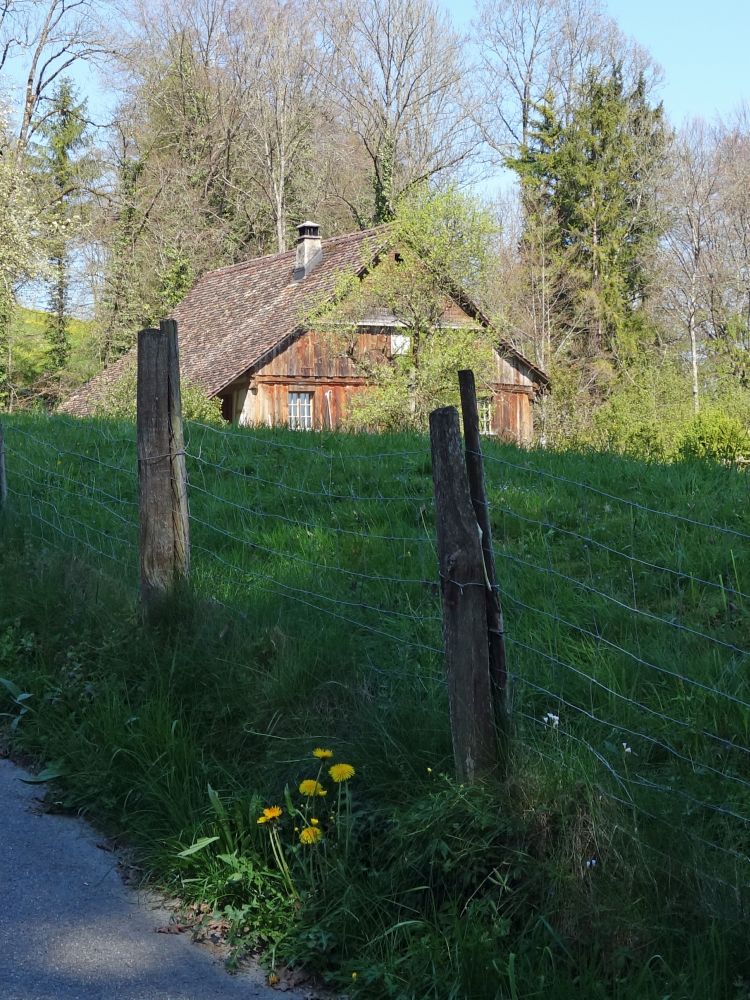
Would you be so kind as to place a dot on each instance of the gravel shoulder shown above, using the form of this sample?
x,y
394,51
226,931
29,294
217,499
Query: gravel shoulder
x,y
71,930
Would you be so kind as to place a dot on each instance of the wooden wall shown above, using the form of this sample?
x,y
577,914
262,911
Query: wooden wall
x,y
317,363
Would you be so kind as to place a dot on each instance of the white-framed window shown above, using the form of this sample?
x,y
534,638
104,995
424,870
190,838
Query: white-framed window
x,y
301,411
485,416
400,344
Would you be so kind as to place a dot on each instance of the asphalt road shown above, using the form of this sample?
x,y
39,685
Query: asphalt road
x,y
71,930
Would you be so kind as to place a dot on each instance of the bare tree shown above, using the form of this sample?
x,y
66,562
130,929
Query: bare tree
x,y
693,192
734,235
45,38
275,55
395,73
532,49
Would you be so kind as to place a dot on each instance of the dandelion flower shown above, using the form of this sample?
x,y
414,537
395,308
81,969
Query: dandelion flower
x,y
273,812
341,772
310,787
310,835
322,754
264,819
314,821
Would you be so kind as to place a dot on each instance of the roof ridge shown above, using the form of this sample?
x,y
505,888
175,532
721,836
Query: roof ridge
x,y
268,257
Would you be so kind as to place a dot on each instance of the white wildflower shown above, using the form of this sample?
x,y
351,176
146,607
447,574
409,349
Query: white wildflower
x,y
550,719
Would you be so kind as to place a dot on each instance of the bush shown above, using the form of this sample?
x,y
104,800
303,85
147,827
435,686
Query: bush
x,y
715,435
119,401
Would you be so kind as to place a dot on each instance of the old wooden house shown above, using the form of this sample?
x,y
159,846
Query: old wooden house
x,y
246,337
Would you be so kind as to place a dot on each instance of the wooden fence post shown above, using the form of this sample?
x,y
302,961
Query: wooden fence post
x,y
475,470
162,481
463,588
3,476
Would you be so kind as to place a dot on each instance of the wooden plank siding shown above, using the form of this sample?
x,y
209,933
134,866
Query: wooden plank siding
x,y
316,363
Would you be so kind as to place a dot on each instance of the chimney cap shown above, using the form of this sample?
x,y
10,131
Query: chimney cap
x,y
309,229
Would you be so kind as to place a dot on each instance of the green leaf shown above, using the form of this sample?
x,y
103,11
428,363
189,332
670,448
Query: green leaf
x,y
52,771
197,846
13,689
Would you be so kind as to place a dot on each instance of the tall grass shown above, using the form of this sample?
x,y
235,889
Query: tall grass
x,y
612,863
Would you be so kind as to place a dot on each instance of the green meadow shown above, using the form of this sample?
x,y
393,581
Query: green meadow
x,y
611,862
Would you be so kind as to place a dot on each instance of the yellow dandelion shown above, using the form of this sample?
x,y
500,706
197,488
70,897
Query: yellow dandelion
x,y
341,772
264,819
273,812
322,754
314,821
310,787
310,835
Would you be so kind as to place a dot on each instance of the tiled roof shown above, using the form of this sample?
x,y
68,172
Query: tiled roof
x,y
235,315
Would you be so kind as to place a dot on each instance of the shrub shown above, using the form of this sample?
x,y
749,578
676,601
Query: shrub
x,y
119,401
715,435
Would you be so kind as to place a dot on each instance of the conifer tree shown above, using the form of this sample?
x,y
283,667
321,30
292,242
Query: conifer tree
x,y
592,180
65,134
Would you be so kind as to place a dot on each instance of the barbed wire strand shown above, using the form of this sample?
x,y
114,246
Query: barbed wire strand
x,y
352,621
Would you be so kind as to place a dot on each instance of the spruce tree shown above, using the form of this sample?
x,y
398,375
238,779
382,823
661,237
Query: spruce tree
x,y
65,135
591,178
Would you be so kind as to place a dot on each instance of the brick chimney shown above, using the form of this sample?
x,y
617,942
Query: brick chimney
x,y
309,249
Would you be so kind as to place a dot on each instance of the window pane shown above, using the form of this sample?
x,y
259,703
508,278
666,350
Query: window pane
x,y
485,416
300,410
400,344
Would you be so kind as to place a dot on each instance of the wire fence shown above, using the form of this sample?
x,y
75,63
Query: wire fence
x,y
626,622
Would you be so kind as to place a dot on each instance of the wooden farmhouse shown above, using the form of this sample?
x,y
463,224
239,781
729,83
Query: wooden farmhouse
x,y
244,337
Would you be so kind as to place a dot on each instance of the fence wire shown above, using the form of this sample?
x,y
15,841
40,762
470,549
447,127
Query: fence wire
x,y
626,624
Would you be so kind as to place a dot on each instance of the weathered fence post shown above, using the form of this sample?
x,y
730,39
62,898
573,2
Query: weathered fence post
x,y
475,470
462,580
162,480
3,477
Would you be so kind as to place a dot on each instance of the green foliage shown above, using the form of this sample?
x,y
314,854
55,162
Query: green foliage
x,y
403,394
64,130
649,414
118,401
437,247
647,409
177,278
715,435
21,248
590,179
29,349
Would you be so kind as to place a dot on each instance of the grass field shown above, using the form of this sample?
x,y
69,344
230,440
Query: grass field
x,y
613,862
